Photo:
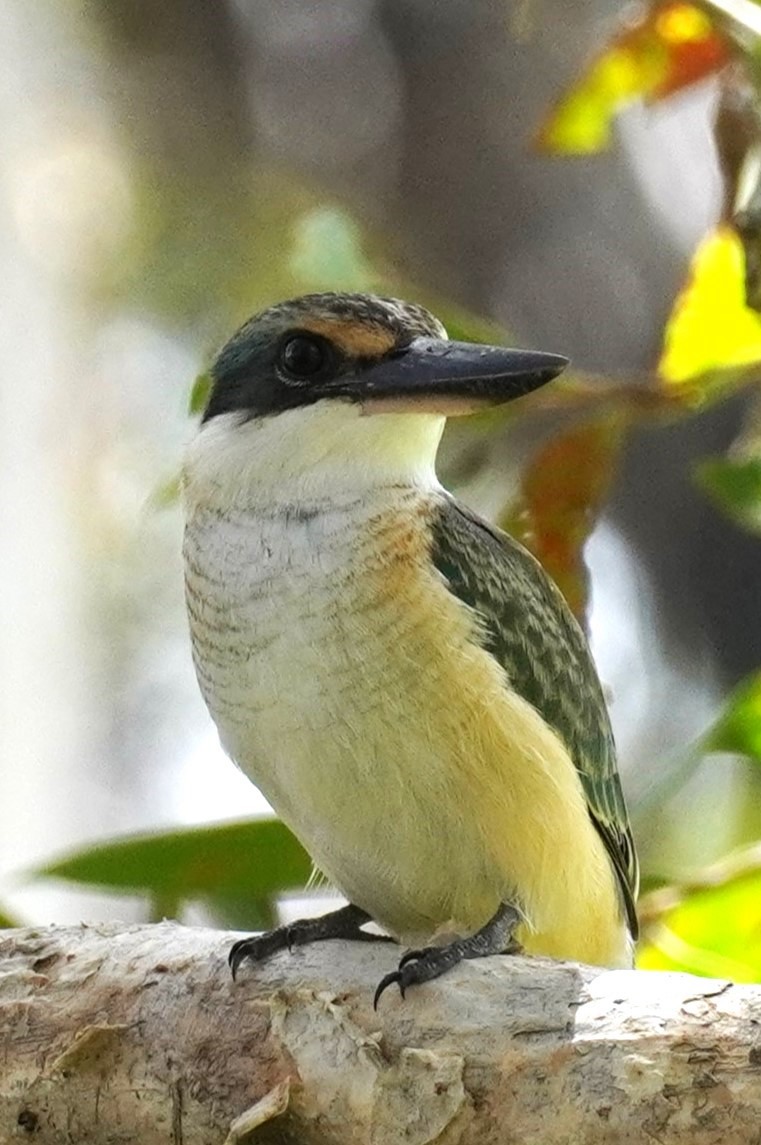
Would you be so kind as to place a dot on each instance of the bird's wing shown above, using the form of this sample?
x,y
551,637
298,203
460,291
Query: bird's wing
x,y
532,633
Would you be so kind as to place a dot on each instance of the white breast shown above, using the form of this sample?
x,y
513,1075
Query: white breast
x,y
265,592
294,659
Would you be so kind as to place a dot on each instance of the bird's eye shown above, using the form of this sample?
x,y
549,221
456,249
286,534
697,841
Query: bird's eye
x,y
302,356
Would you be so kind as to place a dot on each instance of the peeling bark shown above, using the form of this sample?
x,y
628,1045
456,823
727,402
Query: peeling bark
x,y
123,1035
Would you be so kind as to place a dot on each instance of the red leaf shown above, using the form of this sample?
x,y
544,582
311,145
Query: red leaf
x,y
562,493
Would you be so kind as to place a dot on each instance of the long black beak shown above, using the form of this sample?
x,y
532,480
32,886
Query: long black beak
x,y
432,374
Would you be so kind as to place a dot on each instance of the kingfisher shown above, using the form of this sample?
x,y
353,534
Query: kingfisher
x,y
401,680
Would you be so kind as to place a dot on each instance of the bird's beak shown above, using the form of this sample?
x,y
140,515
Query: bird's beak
x,y
432,375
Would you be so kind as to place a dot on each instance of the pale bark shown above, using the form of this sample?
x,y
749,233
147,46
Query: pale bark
x,y
123,1035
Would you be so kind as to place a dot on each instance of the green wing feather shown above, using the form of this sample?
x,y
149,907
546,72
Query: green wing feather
x,y
531,632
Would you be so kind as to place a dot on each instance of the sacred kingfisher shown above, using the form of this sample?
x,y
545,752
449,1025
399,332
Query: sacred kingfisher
x,y
401,680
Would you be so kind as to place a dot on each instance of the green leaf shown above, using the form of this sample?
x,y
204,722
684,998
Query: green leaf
x,y
229,862
199,393
738,728
713,930
237,912
166,494
240,912
7,922
327,252
735,486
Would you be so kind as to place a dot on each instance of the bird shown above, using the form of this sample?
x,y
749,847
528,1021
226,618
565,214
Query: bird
x,y
402,681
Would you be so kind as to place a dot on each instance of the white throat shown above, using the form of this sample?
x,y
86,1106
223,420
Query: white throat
x,y
327,451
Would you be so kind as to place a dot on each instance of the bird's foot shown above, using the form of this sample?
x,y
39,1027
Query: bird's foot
x,y
417,966
343,923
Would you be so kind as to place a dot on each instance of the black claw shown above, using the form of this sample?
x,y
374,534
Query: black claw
x,y
233,963
385,982
237,955
256,948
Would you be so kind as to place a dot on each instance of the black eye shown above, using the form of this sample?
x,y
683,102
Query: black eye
x,y
302,356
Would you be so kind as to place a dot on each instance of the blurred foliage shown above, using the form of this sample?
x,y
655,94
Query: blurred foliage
x,y
237,869
735,486
738,728
7,920
199,394
709,925
328,246
666,49
181,210
563,491
711,327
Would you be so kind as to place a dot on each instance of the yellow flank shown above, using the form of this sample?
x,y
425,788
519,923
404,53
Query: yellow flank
x,y
492,760
356,339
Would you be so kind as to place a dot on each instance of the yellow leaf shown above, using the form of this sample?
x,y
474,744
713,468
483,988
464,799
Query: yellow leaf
x,y
581,122
669,46
683,24
711,327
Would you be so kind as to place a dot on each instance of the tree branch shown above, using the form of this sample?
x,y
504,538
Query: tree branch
x,y
139,1035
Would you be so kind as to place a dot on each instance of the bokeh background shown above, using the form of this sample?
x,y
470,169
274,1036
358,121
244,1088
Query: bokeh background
x,y
165,170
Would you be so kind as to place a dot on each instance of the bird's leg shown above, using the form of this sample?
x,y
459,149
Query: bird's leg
x,y
496,937
342,923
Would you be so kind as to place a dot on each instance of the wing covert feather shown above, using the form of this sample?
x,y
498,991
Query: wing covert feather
x,y
531,632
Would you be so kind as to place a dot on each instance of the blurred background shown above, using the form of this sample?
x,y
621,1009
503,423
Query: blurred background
x,y
166,170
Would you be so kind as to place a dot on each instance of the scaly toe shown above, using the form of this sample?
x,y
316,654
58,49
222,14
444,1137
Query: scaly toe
x,y
414,955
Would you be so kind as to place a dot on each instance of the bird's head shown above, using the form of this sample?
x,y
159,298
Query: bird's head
x,y
292,391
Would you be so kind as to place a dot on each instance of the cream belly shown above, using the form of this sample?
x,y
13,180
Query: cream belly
x,y
346,681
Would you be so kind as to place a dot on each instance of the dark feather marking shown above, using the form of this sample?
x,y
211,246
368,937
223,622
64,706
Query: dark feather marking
x,y
531,632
